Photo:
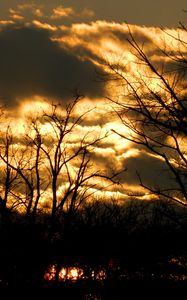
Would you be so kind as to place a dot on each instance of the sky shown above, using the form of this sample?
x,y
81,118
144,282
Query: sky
x,y
50,48
144,12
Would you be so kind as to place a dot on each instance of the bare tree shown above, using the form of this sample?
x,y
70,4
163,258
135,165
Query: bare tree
x,y
9,176
20,162
50,165
153,105
66,159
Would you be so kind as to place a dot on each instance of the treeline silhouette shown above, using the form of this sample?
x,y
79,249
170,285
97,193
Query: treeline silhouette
x,y
114,245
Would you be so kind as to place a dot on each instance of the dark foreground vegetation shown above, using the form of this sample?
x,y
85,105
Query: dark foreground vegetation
x,y
112,248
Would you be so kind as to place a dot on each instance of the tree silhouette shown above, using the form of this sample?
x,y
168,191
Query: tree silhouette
x,y
48,176
153,106
51,163
22,162
8,177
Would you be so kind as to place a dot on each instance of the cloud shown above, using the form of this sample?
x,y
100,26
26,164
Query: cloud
x,y
6,22
134,162
62,12
36,10
104,41
33,64
25,6
87,13
16,17
42,25
50,12
152,170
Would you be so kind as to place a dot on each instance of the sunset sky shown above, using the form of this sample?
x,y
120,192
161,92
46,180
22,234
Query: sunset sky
x,y
144,12
50,48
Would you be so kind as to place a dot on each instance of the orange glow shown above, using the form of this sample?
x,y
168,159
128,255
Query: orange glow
x,y
61,12
68,273
34,105
73,274
17,17
6,22
44,25
50,274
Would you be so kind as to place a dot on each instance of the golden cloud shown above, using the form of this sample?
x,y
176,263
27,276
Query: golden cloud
x,y
62,12
44,25
16,17
6,22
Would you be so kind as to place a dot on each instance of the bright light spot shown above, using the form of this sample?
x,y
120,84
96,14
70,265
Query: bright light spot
x,y
50,274
68,273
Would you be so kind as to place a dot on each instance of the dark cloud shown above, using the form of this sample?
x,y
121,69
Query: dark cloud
x,y
138,34
153,172
31,63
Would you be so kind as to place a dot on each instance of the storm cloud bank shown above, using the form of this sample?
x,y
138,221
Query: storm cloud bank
x,y
33,64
